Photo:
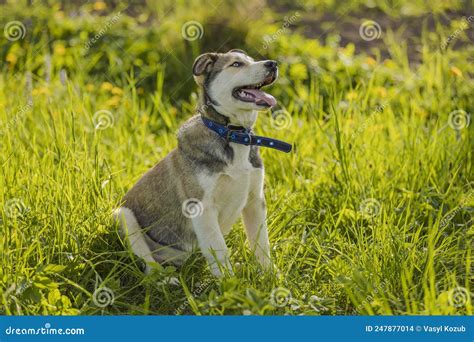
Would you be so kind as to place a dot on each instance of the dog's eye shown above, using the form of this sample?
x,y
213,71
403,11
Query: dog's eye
x,y
236,64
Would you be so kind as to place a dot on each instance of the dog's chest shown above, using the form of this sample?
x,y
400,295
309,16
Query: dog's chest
x,y
230,189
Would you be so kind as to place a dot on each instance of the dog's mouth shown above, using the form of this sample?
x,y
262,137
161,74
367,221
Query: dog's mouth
x,y
253,93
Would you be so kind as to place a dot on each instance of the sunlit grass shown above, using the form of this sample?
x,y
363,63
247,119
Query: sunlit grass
x,y
371,213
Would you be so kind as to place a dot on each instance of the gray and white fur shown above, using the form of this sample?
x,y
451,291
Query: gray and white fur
x,y
219,180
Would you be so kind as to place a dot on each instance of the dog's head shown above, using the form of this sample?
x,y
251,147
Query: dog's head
x,y
233,80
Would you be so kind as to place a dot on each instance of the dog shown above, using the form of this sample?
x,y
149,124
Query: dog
x,y
191,199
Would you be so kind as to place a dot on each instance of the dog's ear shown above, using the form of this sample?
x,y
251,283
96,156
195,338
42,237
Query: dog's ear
x,y
203,63
239,51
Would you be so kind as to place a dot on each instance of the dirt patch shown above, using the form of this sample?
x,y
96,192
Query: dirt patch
x,y
406,30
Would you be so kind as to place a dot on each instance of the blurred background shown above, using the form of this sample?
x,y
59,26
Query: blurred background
x,y
371,213
314,39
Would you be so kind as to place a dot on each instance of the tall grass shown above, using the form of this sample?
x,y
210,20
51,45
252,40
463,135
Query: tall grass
x,y
371,214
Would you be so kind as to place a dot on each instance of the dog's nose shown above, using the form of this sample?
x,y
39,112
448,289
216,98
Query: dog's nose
x,y
271,65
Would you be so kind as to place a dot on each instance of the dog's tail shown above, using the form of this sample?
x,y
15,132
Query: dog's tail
x,y
131,231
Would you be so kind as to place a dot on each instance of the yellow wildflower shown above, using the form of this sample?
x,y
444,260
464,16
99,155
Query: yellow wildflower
x,y
59,49
90,87
370,61
456,72
380,92
117,91
99,5
298,71
41,91
421,112
114,101
375,128
106,86
11,58
351,95
59,14
389,63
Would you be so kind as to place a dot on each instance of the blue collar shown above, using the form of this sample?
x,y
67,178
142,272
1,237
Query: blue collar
x,y
243,136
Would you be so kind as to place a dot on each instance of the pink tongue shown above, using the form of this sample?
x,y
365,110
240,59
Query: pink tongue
x,y
262,96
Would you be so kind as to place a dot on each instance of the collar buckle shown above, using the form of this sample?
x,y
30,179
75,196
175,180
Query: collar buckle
x,y
227,137
250,139
235,128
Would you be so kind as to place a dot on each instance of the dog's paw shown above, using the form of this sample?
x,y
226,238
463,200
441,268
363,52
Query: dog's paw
x,y
265,262
220,270
169,281
152,267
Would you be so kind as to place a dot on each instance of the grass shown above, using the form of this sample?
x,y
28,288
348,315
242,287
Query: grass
x,y
371,214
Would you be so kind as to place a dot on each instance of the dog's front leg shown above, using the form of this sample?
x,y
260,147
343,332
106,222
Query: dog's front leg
x,y
254,215
211,241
